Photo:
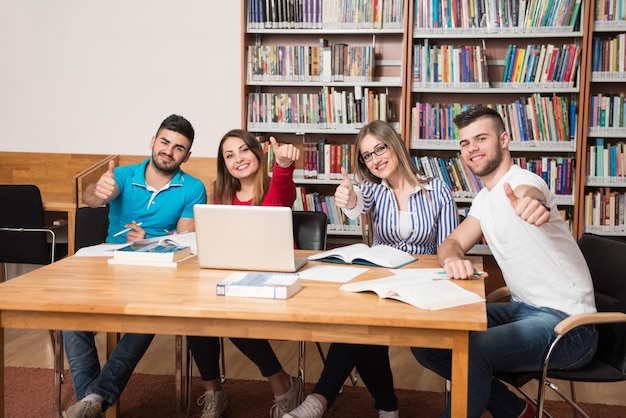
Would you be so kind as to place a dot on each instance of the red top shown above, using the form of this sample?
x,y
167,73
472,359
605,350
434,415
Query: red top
x,y
282,190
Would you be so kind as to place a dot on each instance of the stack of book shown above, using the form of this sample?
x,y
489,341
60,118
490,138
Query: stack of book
x,y
159,252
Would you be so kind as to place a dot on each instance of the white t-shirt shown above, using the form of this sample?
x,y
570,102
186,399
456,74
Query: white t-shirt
x,y
542,266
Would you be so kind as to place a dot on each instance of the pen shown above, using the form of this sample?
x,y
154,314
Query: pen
x,y
125,230
477,275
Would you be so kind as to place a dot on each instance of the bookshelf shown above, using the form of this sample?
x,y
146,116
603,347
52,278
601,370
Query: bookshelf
x,y
316,71
530,59
602,170
524,62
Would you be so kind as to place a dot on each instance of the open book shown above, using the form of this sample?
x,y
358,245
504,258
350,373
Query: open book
x,y
377,255
422,293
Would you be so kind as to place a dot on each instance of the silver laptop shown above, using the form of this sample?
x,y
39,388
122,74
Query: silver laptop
x,y
257,238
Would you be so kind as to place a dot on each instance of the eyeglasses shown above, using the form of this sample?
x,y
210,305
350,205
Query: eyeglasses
x,y
379,150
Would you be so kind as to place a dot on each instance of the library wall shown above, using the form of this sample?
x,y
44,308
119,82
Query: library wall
x,y
98,77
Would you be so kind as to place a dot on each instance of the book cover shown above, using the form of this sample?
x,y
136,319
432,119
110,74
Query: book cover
x,y
259,285
422,289
160,251
377,255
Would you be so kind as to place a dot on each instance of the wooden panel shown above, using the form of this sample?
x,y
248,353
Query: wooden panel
x,y
54,174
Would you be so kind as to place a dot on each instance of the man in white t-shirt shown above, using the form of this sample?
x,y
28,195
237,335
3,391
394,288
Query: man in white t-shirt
x,y
541,265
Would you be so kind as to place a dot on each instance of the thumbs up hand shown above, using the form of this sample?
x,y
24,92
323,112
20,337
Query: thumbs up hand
x,y
345,196
106,186
528,208
285,154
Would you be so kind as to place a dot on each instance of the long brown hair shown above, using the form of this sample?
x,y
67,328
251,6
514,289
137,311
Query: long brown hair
x,y
226,185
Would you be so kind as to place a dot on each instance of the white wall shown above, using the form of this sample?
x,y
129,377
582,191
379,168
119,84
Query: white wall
x,y
98,77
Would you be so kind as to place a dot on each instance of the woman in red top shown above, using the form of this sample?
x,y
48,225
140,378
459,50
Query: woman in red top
x,y
243,180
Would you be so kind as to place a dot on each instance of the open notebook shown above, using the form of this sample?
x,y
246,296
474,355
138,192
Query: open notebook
x,y
256,238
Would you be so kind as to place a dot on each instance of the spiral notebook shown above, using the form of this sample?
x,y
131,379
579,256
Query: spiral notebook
x,y
255,238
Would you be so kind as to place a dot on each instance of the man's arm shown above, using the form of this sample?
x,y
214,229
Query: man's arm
x,y
185,225
451,253
103,191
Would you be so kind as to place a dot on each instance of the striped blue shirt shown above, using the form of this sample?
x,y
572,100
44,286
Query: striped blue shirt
x,y
433,216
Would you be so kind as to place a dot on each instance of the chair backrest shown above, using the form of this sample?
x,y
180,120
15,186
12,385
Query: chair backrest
x,y
92,226
606,258
309,230
22,207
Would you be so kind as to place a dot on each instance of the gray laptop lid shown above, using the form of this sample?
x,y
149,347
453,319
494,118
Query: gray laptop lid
x,y
258,238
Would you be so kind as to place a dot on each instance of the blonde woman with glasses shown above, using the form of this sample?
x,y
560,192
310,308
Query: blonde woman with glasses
x,y
408,211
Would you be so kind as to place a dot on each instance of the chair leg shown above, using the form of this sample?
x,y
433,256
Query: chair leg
x,y
178,372
188,377
223,359
301,360
57,347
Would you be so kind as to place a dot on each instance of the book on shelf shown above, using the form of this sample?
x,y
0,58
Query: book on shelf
x,y
259,285
377,255
420,290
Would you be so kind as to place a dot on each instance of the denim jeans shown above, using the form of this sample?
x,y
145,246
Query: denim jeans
x,y
87,378
517,339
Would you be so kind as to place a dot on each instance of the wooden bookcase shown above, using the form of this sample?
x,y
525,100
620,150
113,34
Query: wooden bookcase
x,y
601,198
525,99
495,55
296,88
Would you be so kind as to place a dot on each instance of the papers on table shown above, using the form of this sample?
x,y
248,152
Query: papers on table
x,y
100,250
330,273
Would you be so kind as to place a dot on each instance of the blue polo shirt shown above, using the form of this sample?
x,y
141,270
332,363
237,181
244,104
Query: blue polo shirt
x,y
157,209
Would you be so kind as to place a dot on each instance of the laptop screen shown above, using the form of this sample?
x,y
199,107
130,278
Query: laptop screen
x,y
257,238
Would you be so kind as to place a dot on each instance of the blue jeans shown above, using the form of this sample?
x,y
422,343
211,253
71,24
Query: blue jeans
x,y
517,339
87,378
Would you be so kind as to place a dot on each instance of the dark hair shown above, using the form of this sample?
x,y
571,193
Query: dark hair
x,y
389,136
226,185
178,124
473,114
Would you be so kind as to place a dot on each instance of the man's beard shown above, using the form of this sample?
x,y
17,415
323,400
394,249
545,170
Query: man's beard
x,y
491,165
165,169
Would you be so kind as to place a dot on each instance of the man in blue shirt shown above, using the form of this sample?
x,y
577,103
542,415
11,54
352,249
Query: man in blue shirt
x,y
147,200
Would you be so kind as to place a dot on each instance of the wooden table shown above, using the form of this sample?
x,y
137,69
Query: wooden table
x,y
85,293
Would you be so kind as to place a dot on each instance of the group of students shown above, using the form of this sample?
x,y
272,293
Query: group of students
x,y
515,212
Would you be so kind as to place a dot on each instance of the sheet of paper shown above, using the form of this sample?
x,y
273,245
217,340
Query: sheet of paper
x,y
331,273
421,274
99,250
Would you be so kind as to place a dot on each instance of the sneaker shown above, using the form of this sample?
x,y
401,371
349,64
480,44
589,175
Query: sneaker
x,y
289,400
214,403
529,411
84,409
388,414
310,408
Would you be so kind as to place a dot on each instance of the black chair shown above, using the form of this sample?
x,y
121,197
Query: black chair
x,y
91,226
605,258
309,230
26,239
91,229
